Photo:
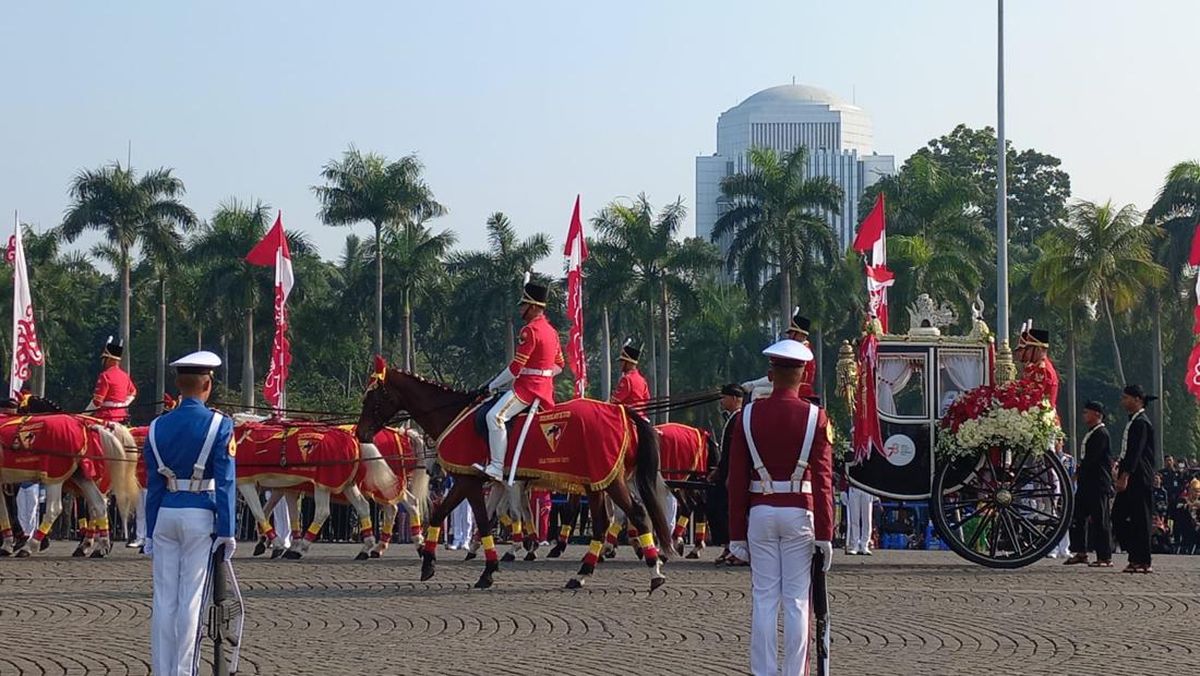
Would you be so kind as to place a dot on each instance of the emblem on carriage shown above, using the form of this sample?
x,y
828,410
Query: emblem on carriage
x,y
926,318
553,432
899,450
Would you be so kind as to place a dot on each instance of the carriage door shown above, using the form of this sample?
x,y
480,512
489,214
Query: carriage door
x,y
905,397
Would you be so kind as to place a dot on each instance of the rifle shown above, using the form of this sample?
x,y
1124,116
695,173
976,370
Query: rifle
x,y
820,605
225,615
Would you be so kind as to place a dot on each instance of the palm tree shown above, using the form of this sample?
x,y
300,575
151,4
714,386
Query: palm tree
x,y
387,194
130,211
776,222
413,256
660,268
608,287
1103,256
491,278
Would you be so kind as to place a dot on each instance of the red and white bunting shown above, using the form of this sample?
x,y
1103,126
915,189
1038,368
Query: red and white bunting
x,y
26,351
1192,381
872,238
576,253
273,250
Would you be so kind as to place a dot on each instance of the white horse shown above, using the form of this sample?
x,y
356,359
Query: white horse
x,y
115,441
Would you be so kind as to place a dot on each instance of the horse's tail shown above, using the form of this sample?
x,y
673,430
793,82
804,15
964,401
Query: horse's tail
x,y
376,473
713,450
120,450
647,478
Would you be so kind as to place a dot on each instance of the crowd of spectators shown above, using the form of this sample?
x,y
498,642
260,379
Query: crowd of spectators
x,y
1177,507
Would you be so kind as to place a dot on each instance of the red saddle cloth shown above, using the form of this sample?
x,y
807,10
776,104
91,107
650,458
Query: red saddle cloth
x,y
52,447
581,443
322,455
397,450
683,450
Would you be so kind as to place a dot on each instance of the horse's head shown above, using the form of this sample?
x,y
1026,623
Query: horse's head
x,y
389,391
34,404
381,403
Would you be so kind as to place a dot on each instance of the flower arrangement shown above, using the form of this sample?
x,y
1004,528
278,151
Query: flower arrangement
x,y
1011,416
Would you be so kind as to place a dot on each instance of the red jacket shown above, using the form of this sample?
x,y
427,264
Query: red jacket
x,y
114,389
1044,376
632,389
538,350
777,424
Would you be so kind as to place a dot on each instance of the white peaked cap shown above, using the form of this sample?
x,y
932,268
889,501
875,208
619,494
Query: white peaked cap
x,y
197,362
789,350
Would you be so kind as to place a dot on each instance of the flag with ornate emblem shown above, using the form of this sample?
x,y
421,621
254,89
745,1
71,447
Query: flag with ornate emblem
x,y
1193,364
576,253
273,250
872,239
26,351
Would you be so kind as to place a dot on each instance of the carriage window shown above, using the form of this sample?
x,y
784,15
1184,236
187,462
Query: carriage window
x,y
958,373
900,385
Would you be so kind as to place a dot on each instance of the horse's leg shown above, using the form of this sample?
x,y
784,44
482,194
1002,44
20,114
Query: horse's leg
x,y
387,524
484,528
320,515
524,495
682,519
87,532
366,530
638,516
599,512
569,513
264,540
53,509
434,531
97,506
699,502
7,542
249,493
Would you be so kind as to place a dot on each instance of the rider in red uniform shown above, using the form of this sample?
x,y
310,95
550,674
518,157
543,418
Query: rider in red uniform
x,y
529,377
797,331
115,390
632,389
1039,370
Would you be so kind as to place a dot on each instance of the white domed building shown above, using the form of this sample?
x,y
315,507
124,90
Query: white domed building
x,y
837,134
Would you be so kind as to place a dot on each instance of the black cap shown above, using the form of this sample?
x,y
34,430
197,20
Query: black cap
x,y
732,390
630,354
113,349
535,294
1095,406
800,324
1137,392
1038,338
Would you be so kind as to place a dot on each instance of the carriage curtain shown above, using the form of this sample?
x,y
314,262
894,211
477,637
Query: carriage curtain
x,y
891,377
965,371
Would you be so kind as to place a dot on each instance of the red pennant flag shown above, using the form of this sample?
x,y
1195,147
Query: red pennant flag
x,y
576,253
1193,372
273,250
871,229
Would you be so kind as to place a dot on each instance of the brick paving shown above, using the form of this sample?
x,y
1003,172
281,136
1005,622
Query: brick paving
x,y
893,613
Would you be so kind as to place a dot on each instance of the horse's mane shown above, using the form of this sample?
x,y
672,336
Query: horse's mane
x,y
443,387
40,405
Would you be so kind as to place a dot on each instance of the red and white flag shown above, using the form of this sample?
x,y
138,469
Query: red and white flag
x,y
576,253
273,250
26,351
872,238
1193,364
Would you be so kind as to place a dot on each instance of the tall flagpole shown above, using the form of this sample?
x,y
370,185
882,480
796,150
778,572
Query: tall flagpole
x,y
1004,359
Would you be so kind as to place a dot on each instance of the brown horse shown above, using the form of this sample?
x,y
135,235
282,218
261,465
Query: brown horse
x,y
438,408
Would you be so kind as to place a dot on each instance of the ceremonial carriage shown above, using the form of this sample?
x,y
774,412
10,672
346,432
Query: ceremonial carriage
x,y
998,497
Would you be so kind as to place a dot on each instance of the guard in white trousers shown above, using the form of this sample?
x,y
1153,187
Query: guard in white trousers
x,y
462,522
283,522
189,500
859,507
781,507
27,507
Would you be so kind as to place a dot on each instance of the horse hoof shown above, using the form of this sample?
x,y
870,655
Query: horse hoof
x,y
508,557
376,555
23,554
4,553
276,553
610,554
638,553
657,582
78,553
260,548
556,552
574,584
470,556
98,554
291,555
485,582
427,571
692,555
362,556
45,544
531,556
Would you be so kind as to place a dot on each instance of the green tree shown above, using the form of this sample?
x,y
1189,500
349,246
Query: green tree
x,y
775,222
367,187
414,258
129,210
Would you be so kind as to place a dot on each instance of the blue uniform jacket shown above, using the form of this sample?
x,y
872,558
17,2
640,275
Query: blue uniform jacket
x,y
179,436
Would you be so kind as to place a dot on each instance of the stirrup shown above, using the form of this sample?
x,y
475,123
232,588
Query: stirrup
x,y
496,475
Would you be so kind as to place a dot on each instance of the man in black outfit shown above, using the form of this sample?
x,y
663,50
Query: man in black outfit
x,y
718,496
1135,477
1090,528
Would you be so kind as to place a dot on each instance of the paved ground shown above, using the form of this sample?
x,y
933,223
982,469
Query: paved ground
x,y
894,613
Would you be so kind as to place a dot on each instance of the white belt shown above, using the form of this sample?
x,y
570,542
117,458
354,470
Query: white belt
x,y
536,372
191,485
780,487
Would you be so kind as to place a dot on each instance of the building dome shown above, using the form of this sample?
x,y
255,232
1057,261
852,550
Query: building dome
x,y
793,94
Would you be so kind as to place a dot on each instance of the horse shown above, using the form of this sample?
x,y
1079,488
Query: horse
x,y
555,454
60,450
510,507
686,454
294,455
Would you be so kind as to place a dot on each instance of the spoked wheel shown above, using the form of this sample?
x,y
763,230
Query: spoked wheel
x,y
1011,509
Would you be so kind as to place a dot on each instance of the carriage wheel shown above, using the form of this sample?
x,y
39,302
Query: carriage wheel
x,y
1008,512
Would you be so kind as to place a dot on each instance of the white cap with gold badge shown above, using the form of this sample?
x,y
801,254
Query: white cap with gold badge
x,y
198,363
789,352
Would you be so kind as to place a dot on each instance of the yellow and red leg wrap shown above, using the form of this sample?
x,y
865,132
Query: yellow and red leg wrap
x,y
365,528
564,533
516,530
40,533
431,540
101,526
6,534
489,549
681,525
85,530
267,530
701,534
610,536
385,532
646,542
314,529
631,533
414,526
593,554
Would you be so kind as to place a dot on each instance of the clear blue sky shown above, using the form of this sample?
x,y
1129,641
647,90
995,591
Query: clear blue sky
x,y
518,106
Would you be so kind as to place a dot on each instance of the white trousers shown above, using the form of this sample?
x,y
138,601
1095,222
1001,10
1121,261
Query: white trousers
x,y
506,408
462,522
283,521
859,505
27,508
182,549
781,551
672,509
141,515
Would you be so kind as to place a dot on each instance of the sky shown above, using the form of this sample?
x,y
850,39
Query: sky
x,y
519,106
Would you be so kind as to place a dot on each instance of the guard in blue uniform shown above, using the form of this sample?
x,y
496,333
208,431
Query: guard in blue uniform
x,y
190,498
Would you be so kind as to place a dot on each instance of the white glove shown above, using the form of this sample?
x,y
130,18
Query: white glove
x,y
826,549
230,546
739,549
501,381
148,547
